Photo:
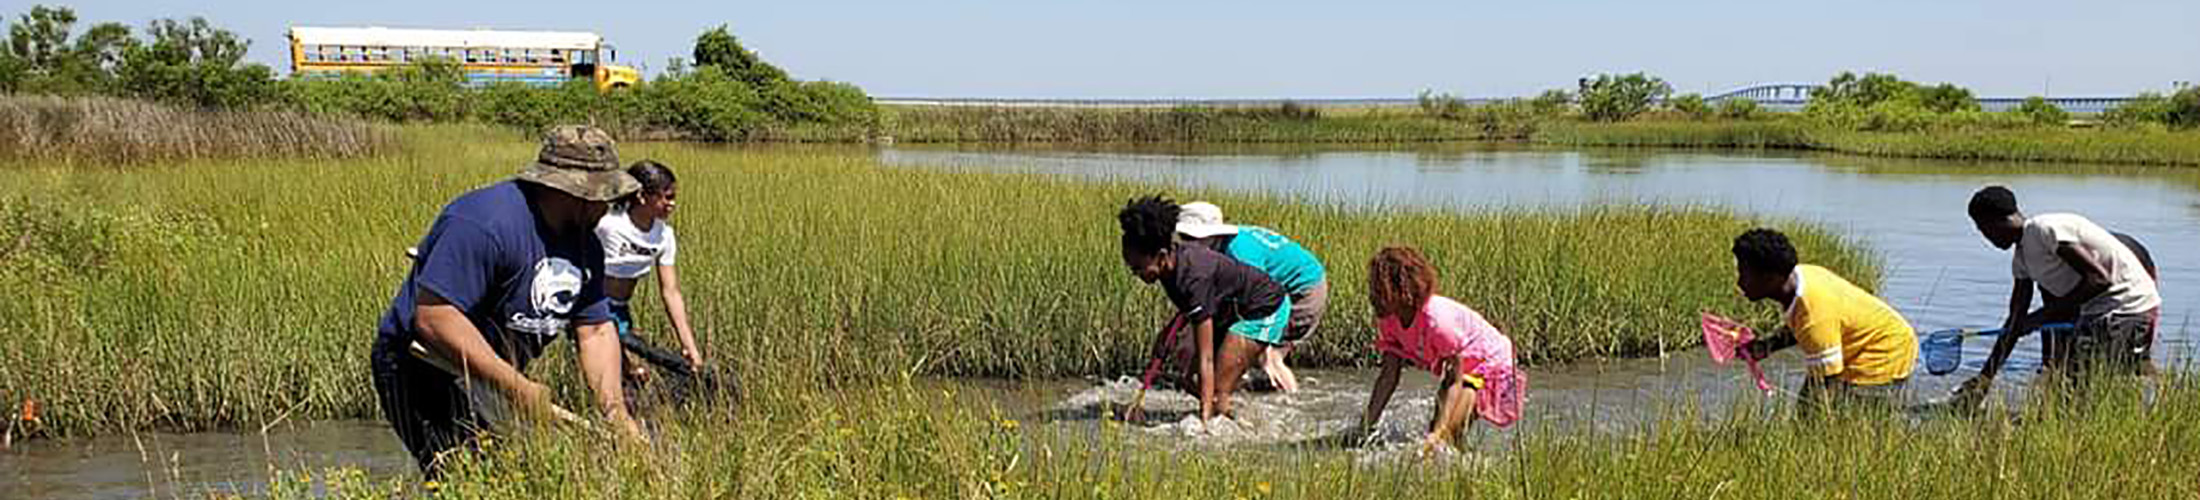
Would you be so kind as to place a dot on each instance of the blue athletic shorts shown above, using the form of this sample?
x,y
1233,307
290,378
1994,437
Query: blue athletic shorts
x,y
1268,330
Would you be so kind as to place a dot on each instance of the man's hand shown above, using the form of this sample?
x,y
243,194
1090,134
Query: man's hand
x,y
636,370
531,401
629,429
694,358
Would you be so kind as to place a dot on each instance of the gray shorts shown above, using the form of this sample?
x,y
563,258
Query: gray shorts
x,y
2120,344
1306,312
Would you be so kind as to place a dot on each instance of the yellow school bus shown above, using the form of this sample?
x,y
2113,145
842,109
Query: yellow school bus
x,y
546,58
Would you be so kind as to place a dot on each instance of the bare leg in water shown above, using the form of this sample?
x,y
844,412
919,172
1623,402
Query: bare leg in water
x,y
1278,372
1454,404
1234,359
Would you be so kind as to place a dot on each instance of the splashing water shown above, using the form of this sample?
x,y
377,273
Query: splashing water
x,y
1322,415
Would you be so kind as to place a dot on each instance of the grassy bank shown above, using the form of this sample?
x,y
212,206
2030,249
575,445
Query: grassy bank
x,y
2121,145
930,124
900,441
2139,146
1736,134
234,292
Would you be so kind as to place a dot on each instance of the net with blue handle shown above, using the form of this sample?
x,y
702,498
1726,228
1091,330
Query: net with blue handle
x,y
1943,350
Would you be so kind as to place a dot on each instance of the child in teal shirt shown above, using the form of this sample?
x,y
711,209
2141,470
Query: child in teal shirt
x,y
1283,260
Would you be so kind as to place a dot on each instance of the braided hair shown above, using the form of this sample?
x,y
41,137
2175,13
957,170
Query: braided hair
x,y
1149,224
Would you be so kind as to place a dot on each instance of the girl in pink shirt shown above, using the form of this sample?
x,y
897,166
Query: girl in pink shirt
x,y
1438,334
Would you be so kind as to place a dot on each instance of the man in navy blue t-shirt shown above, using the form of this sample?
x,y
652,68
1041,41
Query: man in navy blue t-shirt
x,y
504,271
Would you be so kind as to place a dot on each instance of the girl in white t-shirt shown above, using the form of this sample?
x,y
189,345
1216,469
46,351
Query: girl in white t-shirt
x,y
637,236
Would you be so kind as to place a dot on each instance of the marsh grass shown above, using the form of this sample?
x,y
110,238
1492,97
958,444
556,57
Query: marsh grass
x,y
109,131
226,293
1740,134
2137,146
907,440
930,124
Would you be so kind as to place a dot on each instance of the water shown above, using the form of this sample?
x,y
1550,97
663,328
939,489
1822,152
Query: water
x,y
190,465
1939,272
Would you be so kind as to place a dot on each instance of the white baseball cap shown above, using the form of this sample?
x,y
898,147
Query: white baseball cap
x,y
1201,219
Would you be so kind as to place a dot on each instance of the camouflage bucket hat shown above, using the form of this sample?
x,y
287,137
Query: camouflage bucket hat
x,y
582,161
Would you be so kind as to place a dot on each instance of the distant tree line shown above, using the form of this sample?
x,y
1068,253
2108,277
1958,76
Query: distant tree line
x,y
724,92
1868,102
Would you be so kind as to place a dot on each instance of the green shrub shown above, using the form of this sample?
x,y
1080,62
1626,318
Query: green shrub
x,y
1859,92
2184,108
1896,116
2037,110
1944,98
845,103
1552,103
718,50
1620,97
1691,105
1738,108
1864,92
710,105
1445,105
538,108
396,96
2147,108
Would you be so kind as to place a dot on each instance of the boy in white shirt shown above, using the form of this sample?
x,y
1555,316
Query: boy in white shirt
x,y
2088,276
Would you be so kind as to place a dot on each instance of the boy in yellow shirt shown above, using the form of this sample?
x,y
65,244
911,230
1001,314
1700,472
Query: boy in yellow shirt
x,y
1856,348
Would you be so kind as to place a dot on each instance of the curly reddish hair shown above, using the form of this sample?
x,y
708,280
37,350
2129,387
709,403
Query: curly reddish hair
x,y
1399,278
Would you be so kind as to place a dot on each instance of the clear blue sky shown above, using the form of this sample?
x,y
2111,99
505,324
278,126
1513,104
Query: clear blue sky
x,y
1368,48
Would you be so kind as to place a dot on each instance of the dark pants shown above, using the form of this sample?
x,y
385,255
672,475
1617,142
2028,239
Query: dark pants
x,y
424,405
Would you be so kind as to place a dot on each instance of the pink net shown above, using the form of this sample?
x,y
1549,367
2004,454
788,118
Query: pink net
x,y
1724,337
1502,395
